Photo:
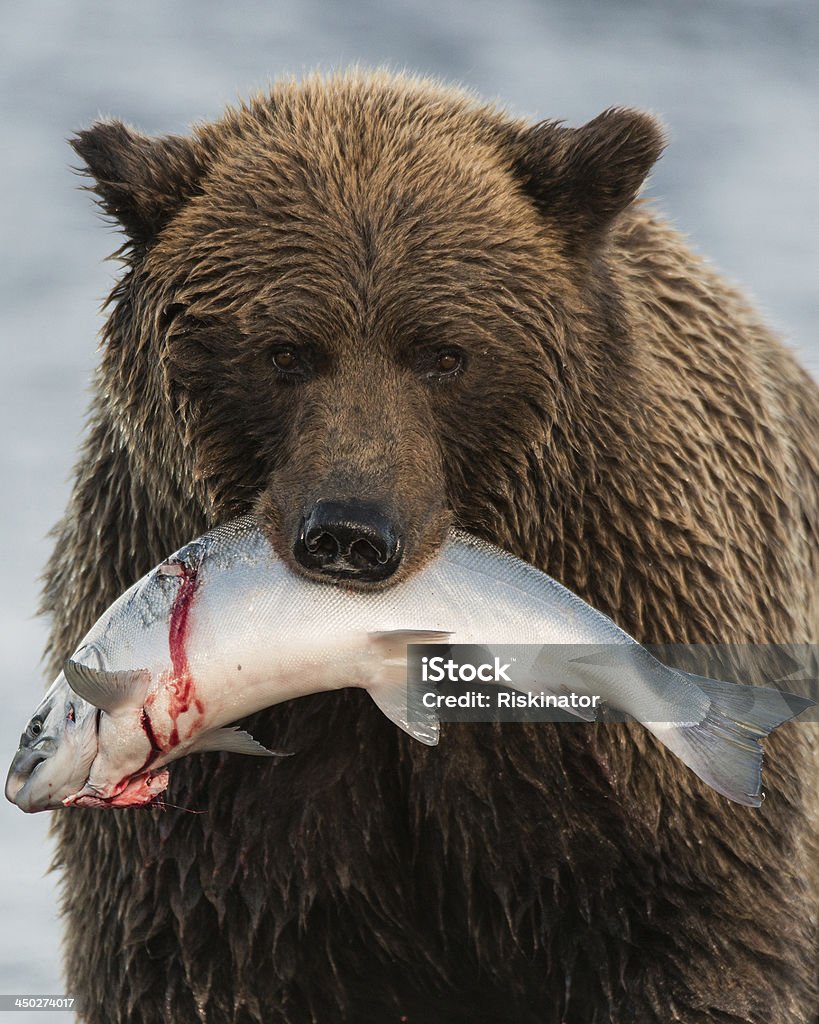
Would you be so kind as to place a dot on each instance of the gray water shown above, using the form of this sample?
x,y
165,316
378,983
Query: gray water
x,y
736,81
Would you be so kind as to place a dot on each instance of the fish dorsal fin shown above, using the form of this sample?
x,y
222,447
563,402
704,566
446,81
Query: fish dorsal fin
x,y
400,702
235,741
108,691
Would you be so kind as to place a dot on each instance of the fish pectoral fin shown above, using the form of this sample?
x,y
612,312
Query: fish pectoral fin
x,y
108,691
400,698
235,741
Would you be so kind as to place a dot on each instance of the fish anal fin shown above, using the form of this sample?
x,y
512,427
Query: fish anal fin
x,y
109,691
397,697
586,714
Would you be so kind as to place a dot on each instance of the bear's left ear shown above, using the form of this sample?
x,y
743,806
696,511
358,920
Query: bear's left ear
x,y
585,176
141,181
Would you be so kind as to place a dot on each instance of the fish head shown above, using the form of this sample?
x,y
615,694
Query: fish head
x,y
56,750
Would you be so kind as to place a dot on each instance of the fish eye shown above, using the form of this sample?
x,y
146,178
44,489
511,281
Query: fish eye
x,y
71,714
35,727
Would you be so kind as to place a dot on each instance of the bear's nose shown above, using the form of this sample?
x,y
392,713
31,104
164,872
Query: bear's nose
x,y
348,540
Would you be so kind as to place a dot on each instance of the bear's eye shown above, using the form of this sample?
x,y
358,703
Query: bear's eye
x,y
447,362
440,363
286,360
298,362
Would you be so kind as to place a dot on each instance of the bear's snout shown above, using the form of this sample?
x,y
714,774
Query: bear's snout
x,y
348,540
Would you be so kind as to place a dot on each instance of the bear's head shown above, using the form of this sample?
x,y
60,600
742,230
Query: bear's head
x,y
366,308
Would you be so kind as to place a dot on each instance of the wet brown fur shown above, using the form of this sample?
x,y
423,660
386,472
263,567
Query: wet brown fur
x,y
623,420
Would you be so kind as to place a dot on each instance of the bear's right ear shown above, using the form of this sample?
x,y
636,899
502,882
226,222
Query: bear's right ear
x,y
141,181
583,177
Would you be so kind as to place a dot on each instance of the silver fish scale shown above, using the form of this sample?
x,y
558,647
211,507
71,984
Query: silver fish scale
x,y
249,607
450,594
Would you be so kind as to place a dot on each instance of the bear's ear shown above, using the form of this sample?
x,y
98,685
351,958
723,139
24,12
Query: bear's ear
x,y
141,181
586,176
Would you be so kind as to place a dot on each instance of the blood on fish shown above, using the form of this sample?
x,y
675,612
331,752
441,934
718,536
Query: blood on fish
x,y
139,791
136,788
155,751
148,729
181,688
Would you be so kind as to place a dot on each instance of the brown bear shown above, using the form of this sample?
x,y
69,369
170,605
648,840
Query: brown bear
x,y
367,307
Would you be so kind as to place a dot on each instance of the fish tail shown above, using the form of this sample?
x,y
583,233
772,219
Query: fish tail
x,y
724,749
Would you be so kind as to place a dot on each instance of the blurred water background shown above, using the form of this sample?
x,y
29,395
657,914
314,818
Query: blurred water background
x,y
736,81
